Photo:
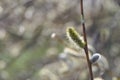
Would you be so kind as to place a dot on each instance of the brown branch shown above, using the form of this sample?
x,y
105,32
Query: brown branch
x,y
85,39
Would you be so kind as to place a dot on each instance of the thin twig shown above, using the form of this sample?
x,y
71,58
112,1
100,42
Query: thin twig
x,y
85,39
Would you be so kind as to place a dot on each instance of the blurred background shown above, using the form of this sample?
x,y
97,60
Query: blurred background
x,y
26,46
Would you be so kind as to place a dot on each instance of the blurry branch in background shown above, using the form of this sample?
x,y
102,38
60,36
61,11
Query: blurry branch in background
x,y
27,45
29,3
33,40
15,36
118,1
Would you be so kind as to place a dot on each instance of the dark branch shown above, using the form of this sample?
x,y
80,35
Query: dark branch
x,y
85,39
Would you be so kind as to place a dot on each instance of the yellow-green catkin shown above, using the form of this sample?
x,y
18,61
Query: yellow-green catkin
x,y
74,37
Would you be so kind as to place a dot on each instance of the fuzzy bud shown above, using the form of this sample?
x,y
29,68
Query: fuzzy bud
x,y
95,58
74,37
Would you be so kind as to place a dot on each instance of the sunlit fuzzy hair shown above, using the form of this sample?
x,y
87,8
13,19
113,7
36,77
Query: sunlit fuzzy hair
x,y
74,37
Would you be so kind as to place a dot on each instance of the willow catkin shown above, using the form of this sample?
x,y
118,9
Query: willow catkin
x,y
74,37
